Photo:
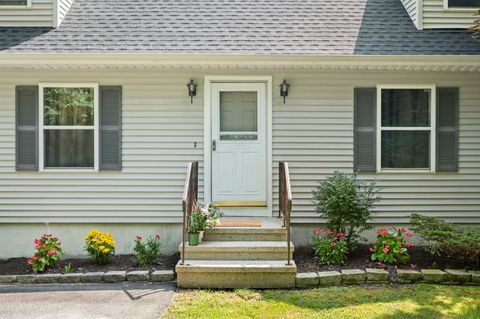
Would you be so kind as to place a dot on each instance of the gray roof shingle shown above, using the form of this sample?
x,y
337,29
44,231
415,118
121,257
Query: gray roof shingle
x,y
229,27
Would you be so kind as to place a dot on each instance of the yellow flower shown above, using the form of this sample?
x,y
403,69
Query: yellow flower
x,y
106,251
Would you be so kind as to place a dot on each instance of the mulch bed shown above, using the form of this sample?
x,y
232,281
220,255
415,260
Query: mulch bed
x,y
419,258
19,266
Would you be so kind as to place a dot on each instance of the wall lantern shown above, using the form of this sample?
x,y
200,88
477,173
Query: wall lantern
x,y
192,90
284,89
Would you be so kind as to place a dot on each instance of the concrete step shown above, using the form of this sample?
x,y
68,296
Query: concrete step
x,y
238,250
245,234
227,274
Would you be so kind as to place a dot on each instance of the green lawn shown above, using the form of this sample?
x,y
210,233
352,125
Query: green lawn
x,y
403,302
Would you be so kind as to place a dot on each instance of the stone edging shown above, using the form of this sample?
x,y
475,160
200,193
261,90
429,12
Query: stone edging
x,y
371,275
91,277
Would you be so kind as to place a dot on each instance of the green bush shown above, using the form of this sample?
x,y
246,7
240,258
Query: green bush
x,y
330,248
448,240
346,203
148,252
391,247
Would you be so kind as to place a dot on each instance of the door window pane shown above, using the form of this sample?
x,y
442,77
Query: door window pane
x,y
464,3
405,107
13,2
68,106
69,148
405,149
238,111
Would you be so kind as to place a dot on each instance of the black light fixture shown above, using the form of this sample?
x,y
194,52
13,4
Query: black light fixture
x,y
284,89
192,90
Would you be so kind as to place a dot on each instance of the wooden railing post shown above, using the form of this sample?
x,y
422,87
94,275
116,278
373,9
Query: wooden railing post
x,y
189,200
285,202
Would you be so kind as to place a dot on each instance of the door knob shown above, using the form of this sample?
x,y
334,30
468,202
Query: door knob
x,y
214,145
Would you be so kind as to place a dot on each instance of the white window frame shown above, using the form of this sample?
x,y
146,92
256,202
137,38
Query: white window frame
x,y
17,6
446,7
432,128
95,127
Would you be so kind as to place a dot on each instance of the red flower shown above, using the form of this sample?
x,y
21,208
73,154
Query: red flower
x,y
371,249
409,234
329,232
333,244
47,235
382,231
318,231
409,245
36,242
139,238
403,229
51,252
386,249
380,264
39,246
59,243
340,234
29,261
157,237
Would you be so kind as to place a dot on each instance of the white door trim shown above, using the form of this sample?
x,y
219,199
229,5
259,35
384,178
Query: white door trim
x,y
207,133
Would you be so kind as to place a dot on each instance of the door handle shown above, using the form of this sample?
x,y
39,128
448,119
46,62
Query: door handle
x,y
214,145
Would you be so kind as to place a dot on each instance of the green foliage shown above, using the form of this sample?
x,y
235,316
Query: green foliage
x,y
330,248
148,252
68,106
346,203
48,253
203,217
391,247
447,239
67,269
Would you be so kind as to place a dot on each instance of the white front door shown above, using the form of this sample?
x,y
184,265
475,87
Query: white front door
x,y
239,162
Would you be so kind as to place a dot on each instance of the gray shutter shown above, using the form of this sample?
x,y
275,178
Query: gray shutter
x,y
365,106
110,127
26,116
447,129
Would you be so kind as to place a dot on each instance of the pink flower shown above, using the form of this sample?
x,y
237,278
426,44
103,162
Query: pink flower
x,y
382,231
318,231
333,244
403,229
36,242
340,234
157,237
47,235
51,252
59,243
29,261
329,232
409,234
386,249
380,264
139,238
409,245
371,249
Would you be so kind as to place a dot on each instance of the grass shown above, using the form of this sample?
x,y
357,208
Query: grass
x,y
382,302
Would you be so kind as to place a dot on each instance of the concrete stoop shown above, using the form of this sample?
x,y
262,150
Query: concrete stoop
x,y
224,274
239,257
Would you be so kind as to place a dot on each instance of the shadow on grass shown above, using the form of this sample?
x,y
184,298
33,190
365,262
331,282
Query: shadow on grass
x,y
415,301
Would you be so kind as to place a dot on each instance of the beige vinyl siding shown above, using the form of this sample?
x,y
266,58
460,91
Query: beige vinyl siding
x,y
63,6
40,14
313,131
412,9
436,17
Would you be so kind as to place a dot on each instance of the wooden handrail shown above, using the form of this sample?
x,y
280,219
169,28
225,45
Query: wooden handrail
x,y
285,202
189,200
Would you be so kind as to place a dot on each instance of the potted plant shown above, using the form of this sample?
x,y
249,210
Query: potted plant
x,y
204,216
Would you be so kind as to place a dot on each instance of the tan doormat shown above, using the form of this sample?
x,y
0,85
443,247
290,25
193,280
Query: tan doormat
x,y
239,223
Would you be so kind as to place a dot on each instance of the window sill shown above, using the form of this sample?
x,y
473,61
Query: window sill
x,y
407,171
472,10
15,7
68,170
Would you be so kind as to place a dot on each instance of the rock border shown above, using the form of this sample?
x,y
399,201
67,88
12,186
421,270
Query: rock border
x,y
91,277
381,276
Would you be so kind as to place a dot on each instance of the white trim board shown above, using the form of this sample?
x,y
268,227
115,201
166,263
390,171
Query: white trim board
x,y
208,80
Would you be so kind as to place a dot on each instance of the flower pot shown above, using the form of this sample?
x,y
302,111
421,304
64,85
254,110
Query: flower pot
x,y
193,239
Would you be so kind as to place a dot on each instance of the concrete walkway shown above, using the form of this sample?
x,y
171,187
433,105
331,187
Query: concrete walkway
x,y
86,301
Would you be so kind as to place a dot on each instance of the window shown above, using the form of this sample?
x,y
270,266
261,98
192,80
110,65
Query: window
x,y
68,126
406,128
15,3
462,4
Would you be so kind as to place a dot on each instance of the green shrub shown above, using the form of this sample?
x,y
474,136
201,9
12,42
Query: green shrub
x,y
330,248
47,253
448,240
391,247
346,203
148,252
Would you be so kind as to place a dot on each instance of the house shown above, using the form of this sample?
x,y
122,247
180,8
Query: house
x,y
97,125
